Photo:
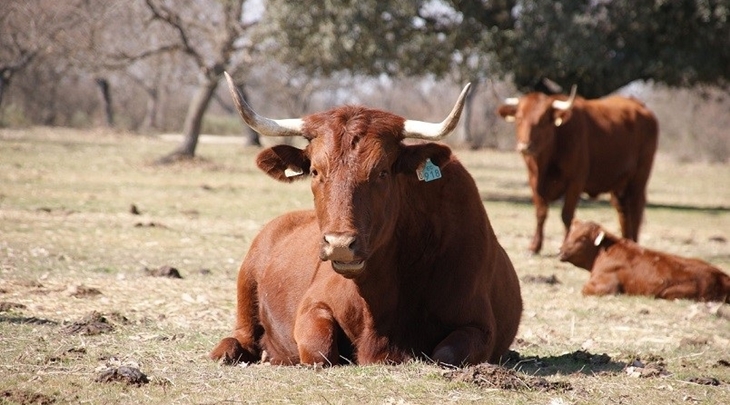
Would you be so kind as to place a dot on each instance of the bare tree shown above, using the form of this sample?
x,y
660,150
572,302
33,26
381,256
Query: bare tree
x,y
212,45
27,29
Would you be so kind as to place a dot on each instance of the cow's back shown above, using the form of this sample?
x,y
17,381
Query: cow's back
x,y
621,137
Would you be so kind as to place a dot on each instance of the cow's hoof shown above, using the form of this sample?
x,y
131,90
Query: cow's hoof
x,y
229,351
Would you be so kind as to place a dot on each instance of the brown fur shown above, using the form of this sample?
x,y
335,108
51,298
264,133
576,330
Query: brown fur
x,y
602,146
619,265
436,283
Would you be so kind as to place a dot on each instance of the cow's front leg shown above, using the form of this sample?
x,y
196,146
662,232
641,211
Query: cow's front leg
x,y
230,350
602,283
467,345
315,334
570,203
541,212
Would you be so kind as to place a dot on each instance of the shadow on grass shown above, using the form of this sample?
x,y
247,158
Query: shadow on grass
x,y
578,362
585,203
26,320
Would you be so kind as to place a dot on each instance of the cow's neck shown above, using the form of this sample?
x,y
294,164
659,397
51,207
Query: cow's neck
x,y
399,273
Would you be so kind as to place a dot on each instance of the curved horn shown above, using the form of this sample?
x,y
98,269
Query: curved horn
x,y
566,105
262,125
435,131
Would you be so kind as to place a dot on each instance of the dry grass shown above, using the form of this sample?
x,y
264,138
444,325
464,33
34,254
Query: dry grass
x,y
70,246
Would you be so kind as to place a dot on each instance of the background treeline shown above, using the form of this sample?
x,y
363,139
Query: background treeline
x,y
153,66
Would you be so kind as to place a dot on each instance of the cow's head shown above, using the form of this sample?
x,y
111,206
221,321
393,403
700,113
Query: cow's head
x,y
582,243
536,116
355,160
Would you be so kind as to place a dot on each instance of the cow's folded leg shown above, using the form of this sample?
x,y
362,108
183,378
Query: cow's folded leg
x,y
463,346
601,284
687,289
314,333
230,351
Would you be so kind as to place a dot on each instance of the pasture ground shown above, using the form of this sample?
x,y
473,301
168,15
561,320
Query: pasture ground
x,y
77,305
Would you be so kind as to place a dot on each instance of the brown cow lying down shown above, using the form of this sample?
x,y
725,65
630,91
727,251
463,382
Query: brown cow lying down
x,y
397,260
620,265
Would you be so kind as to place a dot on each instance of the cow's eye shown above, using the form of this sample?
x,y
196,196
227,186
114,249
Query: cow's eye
x,y
314,172
384,174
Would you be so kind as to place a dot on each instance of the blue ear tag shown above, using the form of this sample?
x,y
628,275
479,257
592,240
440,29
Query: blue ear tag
x,y
428,172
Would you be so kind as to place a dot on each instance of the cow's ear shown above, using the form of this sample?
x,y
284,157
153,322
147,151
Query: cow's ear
x,y
414,156
560,117
284,163
508,112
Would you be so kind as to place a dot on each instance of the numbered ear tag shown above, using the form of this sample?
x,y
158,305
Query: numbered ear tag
x,y
428,172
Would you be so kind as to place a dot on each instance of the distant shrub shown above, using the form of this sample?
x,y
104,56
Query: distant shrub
x,y
222,125
13,116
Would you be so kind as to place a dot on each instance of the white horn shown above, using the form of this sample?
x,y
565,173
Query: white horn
x,y
566,105
436,131
262,125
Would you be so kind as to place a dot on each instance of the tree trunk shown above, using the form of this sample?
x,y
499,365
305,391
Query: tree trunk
x,y
5,75
250,137
151,113
107,101
193,122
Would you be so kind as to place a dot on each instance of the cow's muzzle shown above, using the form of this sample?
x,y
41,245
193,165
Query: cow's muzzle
x,y
340,250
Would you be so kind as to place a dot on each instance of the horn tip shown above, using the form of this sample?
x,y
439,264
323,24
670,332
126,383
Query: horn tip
x,y
467,88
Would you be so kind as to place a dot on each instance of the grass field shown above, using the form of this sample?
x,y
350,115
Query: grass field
x,y
76,301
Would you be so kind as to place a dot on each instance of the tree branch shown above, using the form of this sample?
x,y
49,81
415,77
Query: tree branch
x,y
173,20
126,59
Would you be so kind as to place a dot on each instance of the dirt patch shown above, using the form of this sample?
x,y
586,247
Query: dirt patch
x,y
125,374
94,323
491,376
652,367
549,280
82,291
164,271
134,210
71,354
27,320
25,398
705,381
7,306
590,358
150,224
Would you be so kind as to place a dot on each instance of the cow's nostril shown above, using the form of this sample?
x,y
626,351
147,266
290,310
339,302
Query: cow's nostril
x,y
339,240
338,247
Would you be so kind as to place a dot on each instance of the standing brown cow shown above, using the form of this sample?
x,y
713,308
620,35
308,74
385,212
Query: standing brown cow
x,y
593,146
620,265
397,260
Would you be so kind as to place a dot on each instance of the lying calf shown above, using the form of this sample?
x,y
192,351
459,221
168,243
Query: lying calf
x,y
620,265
